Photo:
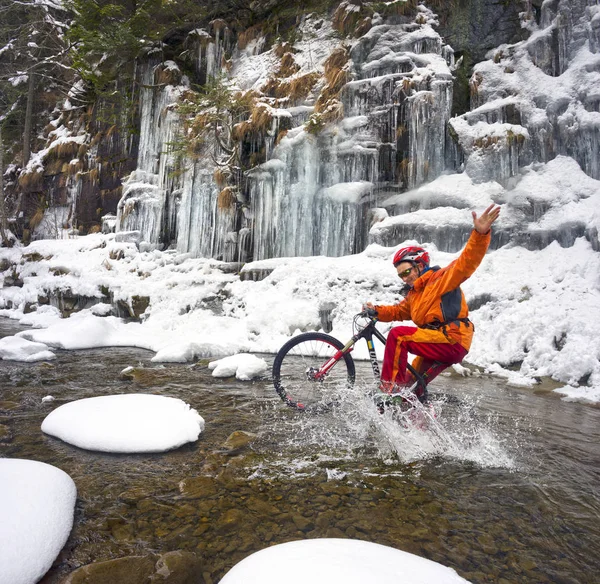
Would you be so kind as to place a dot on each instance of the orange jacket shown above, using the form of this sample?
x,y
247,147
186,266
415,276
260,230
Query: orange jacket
x,y
437,298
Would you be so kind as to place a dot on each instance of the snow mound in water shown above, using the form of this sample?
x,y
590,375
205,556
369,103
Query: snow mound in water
x,y
36,505
323,561
125,423
243,366
17,349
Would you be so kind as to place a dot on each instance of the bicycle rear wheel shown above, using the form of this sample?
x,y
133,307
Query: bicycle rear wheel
x,y
296,371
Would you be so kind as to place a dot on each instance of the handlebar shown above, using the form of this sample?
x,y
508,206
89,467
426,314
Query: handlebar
x,y
369,313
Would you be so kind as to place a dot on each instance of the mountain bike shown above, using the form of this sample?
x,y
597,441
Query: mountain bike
x,y
310,369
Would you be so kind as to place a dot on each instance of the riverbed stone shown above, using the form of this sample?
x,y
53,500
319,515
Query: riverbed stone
x,y
303,523
488,544
147,375
122,532
261,507
4,433
231,519
420,533
238,440
198,487
334,532
351,532
176,567
133,495
128,570
179,532
185,510
477,576
527,564
201,529
151,505
325,519
434,508
335,488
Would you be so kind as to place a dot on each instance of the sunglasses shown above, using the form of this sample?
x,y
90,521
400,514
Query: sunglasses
x,y
404,273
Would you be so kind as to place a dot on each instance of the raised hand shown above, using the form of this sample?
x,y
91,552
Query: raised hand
x,y
483,223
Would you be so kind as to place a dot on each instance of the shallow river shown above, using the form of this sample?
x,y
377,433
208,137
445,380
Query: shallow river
x,y
504,487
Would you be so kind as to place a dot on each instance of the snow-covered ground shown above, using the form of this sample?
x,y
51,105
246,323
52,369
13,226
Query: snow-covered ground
x,y
125,423
37,502
322,561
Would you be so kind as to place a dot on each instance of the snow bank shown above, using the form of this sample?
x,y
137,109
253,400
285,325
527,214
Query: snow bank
x,y
17,349
84,330
323,561
125,423
37,502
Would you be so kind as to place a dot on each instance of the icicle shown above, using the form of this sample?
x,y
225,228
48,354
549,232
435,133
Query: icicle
x,y
146,191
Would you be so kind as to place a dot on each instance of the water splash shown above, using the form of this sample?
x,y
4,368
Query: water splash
x,y
447,429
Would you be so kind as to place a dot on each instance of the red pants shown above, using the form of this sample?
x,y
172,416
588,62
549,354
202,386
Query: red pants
x,y
428,346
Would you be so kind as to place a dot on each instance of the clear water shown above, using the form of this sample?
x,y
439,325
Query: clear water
x,y
503,485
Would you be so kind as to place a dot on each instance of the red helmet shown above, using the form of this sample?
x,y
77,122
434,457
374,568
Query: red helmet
x,y
411,254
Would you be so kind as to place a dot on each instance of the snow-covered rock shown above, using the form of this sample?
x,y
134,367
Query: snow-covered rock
x,y
18,349
37,502
324,561
243,366
125,423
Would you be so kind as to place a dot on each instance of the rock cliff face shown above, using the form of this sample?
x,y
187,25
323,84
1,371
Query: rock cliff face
x,y
77,177
474,27
301,137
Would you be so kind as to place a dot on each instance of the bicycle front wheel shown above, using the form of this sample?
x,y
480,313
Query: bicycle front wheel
x,y
298,371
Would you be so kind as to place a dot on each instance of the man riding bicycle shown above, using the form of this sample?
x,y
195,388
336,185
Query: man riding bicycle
x,y
436,304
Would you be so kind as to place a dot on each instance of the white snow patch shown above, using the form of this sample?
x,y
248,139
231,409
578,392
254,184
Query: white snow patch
x,y
125,423
18,349
323,561
352,192
245,367
37,503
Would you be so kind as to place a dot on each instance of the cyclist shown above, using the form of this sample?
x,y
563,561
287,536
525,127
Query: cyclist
x,y
436,304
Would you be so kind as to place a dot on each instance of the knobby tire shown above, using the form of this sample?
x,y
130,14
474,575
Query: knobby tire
x,y
298,360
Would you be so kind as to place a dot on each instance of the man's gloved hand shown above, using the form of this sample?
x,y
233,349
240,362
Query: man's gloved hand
x,y
370,310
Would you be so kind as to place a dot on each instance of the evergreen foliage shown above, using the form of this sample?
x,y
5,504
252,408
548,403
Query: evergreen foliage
x,y
33,53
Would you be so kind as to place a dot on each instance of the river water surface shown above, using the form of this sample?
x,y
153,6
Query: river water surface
x,y
503,487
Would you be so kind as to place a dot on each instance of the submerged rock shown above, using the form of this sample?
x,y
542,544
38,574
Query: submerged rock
x,y
147,375
238,440
198,487
4,433
178,567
